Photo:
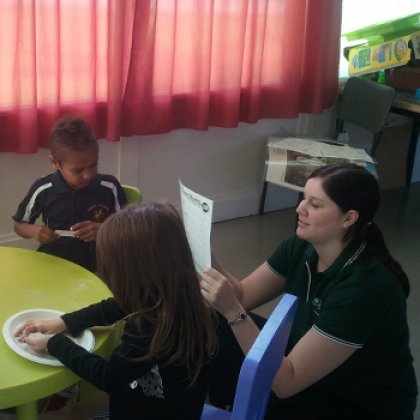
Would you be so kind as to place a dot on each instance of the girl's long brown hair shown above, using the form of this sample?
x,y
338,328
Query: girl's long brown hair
x,y
145,259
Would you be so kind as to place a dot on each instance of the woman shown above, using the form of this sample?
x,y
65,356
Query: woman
x,y
160,370
348,353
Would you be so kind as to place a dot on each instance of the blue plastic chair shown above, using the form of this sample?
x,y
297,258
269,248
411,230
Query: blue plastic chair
x,y
259,367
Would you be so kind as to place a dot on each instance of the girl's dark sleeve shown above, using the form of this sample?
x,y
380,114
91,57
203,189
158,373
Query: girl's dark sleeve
x,y
106,375
88,366
103,313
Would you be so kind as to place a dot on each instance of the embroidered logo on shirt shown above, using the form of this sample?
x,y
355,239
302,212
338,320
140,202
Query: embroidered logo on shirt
x,y
98,212
151,383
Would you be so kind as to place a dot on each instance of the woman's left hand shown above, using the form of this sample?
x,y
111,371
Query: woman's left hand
x,y
219,293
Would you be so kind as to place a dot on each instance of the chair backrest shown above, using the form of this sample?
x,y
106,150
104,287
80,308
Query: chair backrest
x,y
133,194
365,103
262,362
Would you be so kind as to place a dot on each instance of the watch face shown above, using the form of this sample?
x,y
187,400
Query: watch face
x,y
240,318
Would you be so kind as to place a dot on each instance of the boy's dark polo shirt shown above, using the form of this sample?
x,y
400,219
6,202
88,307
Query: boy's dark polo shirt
x,y
61,206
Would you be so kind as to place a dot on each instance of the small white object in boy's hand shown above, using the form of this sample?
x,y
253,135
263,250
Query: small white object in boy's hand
x,y
65,233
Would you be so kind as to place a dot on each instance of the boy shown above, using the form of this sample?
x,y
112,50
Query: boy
x,y
74,200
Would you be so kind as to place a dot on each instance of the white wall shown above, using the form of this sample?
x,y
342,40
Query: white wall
x,y
227,165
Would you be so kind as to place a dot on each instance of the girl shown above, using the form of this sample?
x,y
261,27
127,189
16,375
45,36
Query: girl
x,y
348,353
160,369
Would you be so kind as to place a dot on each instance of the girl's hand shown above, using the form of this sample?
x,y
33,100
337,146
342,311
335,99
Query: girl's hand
x,y
86,231
44,326
220,294
36,341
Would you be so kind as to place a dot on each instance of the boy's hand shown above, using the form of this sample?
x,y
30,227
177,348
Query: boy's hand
x,y
44,235
86,231
41,233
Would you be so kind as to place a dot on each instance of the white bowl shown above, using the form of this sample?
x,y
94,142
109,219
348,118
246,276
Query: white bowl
x,y
86,339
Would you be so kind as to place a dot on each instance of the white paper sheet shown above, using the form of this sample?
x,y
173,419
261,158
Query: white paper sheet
x,y
197,215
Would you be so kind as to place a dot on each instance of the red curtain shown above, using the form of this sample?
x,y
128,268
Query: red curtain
x,y
150,66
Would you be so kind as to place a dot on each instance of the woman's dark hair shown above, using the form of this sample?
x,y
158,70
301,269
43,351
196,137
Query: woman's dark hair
x,y
352,187
145,259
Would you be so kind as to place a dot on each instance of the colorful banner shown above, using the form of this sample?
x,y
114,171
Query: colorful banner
x,y
370,58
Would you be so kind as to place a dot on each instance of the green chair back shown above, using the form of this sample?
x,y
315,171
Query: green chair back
x,y
133,194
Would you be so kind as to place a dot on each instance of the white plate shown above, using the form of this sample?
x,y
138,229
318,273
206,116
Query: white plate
x,y
85,340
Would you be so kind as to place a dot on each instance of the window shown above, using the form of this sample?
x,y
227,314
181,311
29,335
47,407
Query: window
x,y
357,14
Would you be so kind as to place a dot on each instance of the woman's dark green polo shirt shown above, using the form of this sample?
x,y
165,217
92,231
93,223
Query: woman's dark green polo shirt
x,y
357,302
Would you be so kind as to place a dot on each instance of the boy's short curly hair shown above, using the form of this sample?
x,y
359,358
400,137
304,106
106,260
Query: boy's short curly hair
x,y
71,133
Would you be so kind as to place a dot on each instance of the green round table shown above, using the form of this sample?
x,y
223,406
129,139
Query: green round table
x,y
30,279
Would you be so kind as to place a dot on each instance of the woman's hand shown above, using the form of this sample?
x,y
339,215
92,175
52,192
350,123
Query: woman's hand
x,y
44,326
220,294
